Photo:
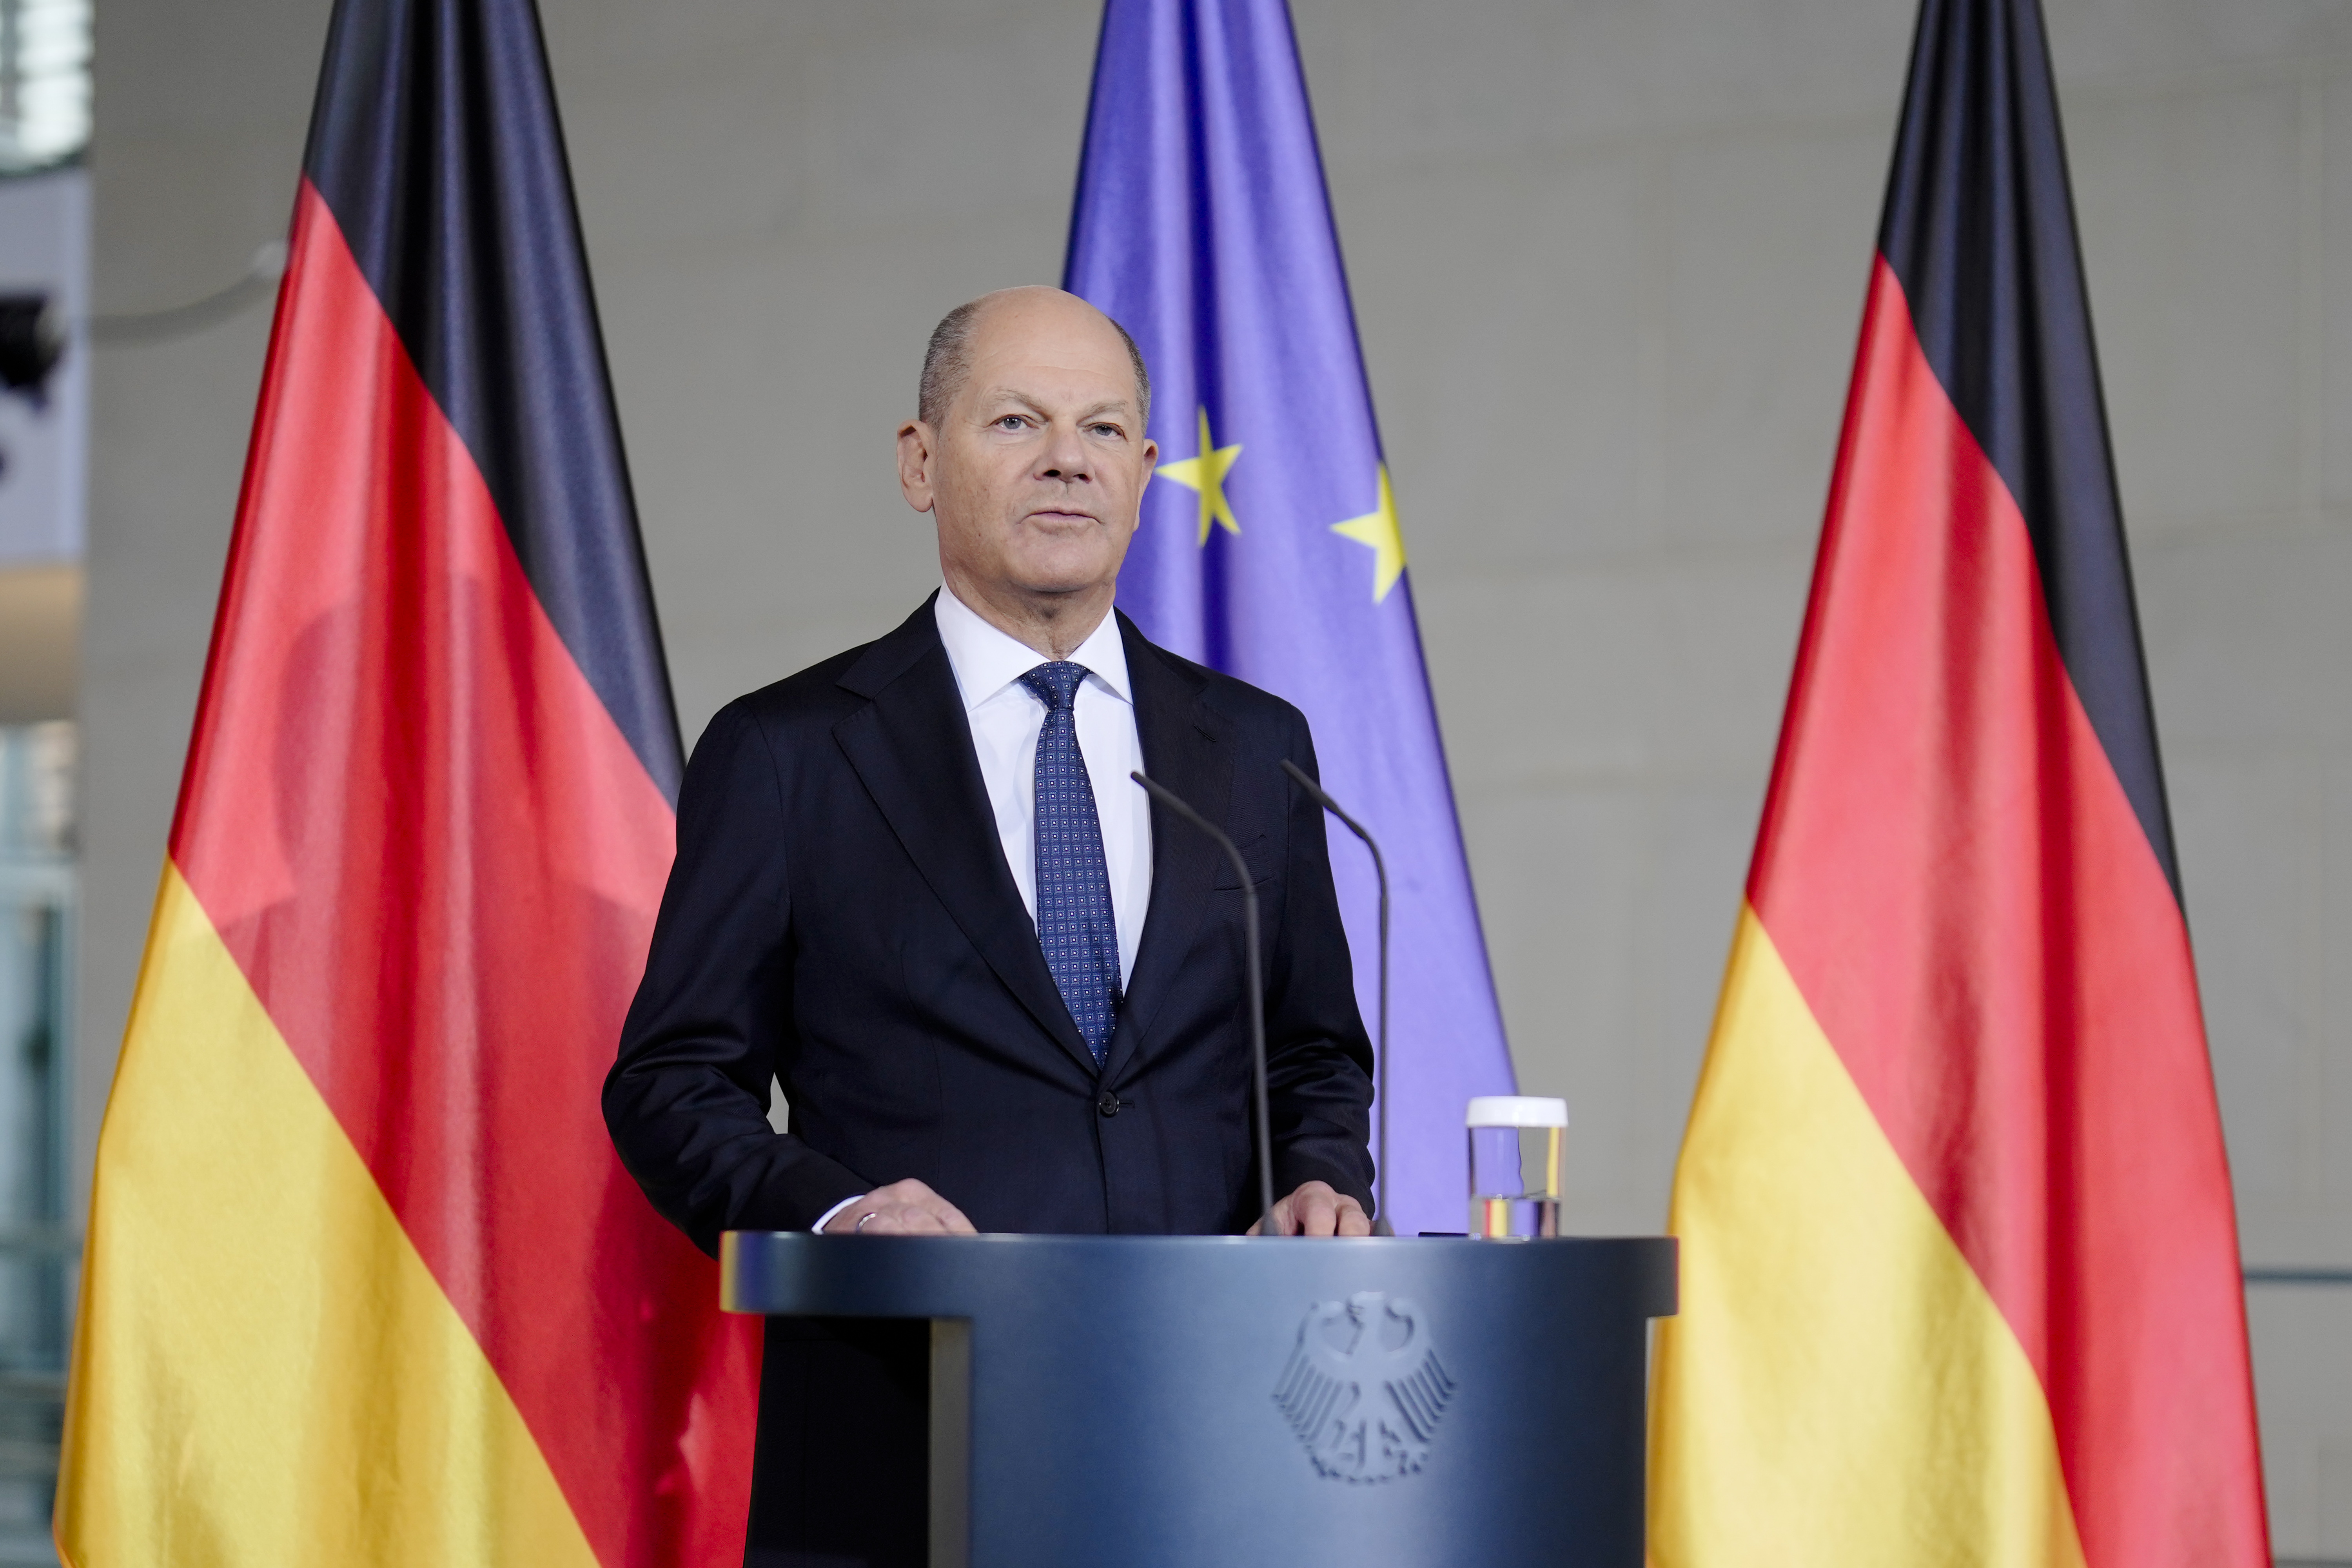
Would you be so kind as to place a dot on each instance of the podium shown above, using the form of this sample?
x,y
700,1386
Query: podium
x,y
1085,1401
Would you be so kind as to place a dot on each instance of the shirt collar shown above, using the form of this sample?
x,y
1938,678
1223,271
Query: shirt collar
x,y
986,660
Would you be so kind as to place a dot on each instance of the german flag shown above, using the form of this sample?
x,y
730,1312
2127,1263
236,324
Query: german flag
x,y
1961,1269
365,1282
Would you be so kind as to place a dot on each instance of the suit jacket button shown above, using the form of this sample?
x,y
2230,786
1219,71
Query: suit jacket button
x,y
1108,1104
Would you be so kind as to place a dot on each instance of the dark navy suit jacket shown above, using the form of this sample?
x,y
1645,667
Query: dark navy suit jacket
x,y
841,915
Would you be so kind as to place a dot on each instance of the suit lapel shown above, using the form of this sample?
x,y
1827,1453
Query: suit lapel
x,y
911,746
1189,747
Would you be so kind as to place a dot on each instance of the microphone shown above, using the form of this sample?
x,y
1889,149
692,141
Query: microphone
x,y
1315,791
1170,799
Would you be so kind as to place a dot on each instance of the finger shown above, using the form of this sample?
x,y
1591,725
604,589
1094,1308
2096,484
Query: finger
x,y
1353,1220
953,1219
1322,1215
1302,1204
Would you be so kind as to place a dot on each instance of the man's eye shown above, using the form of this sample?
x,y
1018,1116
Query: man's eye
x,y
1009,421
1109,430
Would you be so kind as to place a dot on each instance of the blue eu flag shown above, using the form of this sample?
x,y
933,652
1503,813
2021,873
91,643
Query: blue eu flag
x,y
1269,545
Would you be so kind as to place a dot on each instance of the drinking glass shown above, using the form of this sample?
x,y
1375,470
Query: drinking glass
x,y
1515,1157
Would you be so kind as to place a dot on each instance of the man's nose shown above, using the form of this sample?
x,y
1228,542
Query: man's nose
x,y
1065,457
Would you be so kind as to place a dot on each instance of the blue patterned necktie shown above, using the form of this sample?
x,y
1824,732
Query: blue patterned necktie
x,y
1074,924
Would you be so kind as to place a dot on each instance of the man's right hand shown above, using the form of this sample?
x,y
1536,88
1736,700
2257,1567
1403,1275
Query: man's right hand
x,y
902,1208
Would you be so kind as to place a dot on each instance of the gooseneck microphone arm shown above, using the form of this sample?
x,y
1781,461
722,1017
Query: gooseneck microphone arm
x,y
1380,1051
1169,798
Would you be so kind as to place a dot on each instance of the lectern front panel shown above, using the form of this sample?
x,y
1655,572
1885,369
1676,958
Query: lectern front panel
x,y
1210,1400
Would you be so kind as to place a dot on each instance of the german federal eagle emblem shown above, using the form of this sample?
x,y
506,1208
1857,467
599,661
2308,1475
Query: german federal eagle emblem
x,y
1364,1388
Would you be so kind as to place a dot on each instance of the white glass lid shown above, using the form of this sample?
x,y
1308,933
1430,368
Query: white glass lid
x,y
1516,1110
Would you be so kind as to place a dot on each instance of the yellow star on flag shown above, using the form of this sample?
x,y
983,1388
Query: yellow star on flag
x,y
1377,531
1206,474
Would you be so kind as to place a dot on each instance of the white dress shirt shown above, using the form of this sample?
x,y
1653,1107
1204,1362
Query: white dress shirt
x,y
1006,718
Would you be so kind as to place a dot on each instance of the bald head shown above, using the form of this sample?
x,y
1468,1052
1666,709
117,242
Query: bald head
x,y
947,363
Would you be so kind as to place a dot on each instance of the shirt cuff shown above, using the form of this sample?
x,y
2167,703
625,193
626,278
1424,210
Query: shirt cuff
x,y
826,1218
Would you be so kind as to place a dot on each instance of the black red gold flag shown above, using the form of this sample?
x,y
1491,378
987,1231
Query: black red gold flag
x,y
1961,1267
365,1282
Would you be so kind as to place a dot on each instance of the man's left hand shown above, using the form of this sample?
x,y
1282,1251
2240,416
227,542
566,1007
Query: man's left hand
x,y
1315,1209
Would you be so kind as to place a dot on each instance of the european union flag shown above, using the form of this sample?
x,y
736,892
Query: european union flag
x,y
1269,545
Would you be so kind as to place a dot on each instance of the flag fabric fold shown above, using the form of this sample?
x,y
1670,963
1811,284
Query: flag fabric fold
x,y
365,1282
1270,546
1960,1266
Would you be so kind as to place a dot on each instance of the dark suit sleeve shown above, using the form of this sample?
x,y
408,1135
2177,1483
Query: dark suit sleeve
x,y
1318,1058
687,1101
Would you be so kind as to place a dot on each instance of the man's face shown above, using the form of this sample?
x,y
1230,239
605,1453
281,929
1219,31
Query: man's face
x,y
1036,470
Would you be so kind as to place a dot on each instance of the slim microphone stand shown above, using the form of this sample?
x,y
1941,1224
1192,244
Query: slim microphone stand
x,y
1315,791
1169,798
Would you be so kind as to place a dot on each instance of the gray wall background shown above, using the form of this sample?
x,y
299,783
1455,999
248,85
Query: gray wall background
x,y
1608,259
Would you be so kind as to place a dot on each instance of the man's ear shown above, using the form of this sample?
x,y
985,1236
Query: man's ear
x,y
915,448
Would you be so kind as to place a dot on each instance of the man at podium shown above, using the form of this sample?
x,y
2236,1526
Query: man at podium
x,y
916,885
